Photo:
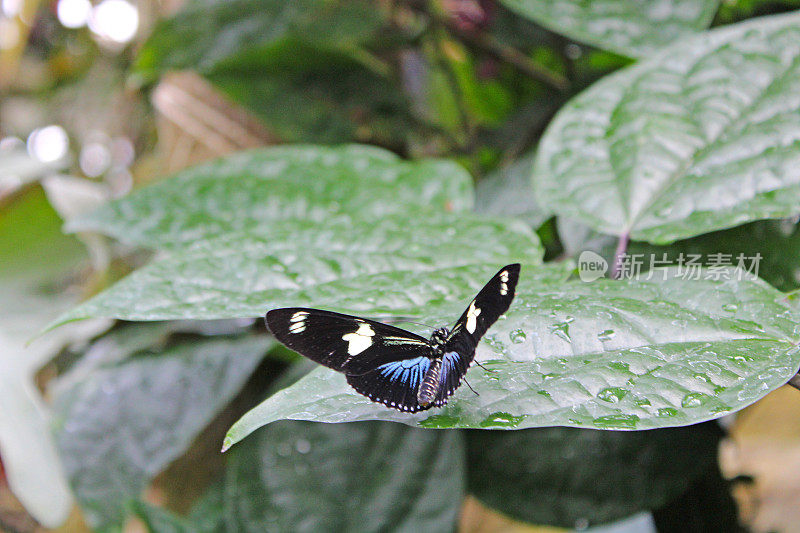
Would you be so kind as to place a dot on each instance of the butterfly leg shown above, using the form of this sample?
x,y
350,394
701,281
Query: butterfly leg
x,y
470,386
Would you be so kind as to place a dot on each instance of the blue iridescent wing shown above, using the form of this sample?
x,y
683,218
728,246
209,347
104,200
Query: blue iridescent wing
x,y
454,367
394,383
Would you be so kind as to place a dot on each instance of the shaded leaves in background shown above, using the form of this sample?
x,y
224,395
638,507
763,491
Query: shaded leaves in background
x,y
566,476
771,248
126,421
302,67
297,476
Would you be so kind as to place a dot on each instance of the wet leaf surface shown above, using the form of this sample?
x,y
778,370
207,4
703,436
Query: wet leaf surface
x,y
683,143
269,190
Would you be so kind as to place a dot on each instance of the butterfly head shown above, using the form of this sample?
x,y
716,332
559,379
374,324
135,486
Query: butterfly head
x,y
439,337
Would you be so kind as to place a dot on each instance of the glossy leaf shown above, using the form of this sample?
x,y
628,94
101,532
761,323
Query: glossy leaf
x,y
628,354
699,137
269,190
567,476
395,266
635,29
121,425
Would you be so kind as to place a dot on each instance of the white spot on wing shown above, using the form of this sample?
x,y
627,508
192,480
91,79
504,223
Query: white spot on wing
x,y
472,317
360,340
297,322
503,282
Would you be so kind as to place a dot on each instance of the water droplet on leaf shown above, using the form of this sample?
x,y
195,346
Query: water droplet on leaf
x,y
616,421
694,399
439,421
517,336
612,394
502,420
606,335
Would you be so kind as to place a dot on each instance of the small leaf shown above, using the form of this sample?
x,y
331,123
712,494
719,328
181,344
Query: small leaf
x,y
635,29
623,354
124,423
683,143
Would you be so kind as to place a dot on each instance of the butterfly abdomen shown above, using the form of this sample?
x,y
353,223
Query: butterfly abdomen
x,y
429,387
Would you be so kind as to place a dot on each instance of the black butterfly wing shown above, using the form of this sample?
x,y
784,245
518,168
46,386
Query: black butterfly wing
x,y
345,343
382,362
493,300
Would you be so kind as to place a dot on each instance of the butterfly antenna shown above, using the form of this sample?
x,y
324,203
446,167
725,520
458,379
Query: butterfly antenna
x,y
483,367
470,387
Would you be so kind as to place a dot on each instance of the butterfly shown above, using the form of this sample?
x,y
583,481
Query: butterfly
x,y
390,365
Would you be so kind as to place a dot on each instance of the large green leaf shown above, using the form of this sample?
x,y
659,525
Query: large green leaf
x,y
699,137
567,476
635,29
123,423
270,189
396,265
628,354
350,228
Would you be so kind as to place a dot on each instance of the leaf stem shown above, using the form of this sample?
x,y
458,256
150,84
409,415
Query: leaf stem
x,y
619,254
